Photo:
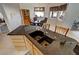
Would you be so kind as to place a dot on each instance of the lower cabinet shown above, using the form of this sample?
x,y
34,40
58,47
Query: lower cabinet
x,y
18,42
36,51
29,45
23,41
32,48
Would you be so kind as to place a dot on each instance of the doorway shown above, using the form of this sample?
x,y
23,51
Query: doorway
x,y
26,16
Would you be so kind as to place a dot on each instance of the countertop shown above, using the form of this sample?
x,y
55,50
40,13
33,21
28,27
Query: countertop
x,y
54,48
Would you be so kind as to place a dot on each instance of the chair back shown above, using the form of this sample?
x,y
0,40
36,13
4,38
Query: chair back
x,y
61,30
43,22
46,26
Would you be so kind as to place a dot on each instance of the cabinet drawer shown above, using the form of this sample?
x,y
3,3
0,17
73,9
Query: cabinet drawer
x,y
17,41
20,48
17,37
19,44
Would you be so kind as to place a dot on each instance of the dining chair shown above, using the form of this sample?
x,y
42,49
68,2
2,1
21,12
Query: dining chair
x,y
46,26
61,30
43,22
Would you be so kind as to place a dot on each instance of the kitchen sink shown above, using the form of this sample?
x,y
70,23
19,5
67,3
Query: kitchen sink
x,y
45,38
41,38
37,35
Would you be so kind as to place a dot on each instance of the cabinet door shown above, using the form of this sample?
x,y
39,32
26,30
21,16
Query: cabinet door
x,y
18,42
37,51
29,45
33,49
16,37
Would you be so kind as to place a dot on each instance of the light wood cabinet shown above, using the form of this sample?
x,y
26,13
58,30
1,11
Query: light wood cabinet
x,y
36,51
29,45
20,41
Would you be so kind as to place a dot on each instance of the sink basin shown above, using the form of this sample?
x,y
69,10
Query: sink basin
x,y
41,38
45,41
37,35
45,38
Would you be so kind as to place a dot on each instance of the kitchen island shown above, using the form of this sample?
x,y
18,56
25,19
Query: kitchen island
x,y
54,48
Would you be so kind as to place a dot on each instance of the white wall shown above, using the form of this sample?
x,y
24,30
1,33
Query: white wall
x,y
3,13
13,15
72,13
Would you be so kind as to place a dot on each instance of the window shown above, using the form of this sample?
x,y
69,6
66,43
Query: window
x,y
53,14
61,14
58,11
39,14
39,11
